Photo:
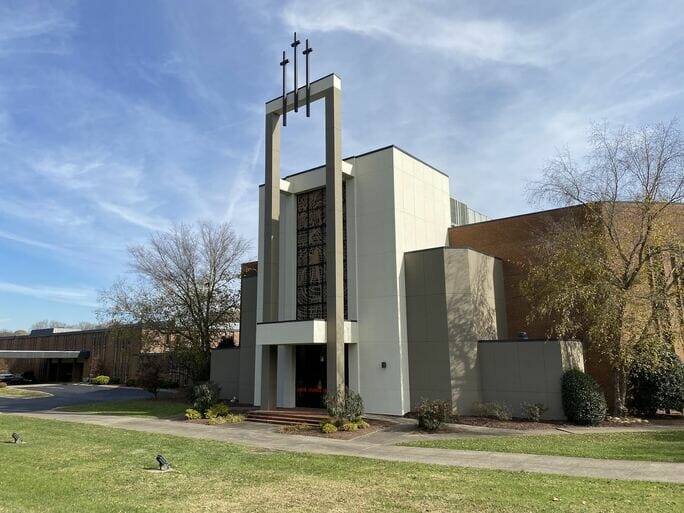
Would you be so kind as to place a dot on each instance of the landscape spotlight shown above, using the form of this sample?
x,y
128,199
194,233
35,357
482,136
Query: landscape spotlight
x,y
163,463
17,438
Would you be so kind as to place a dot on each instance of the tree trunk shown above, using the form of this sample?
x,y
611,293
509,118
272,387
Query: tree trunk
x,y
619,392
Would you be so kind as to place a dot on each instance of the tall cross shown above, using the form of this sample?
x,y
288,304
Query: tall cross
x,y
295,43
306,53
283,63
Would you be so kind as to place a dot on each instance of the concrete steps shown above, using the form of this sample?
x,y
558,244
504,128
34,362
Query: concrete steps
x,y
285,416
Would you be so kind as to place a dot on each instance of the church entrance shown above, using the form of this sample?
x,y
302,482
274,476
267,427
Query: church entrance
x,y
311,373
310,376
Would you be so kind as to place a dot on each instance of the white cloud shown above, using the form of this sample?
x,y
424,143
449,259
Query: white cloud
x,y
74,296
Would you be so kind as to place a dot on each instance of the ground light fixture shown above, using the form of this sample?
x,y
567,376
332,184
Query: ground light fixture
x,y
164,464
17,438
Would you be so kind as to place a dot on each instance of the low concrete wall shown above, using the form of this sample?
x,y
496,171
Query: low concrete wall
x,y
516,371
233,368
225,371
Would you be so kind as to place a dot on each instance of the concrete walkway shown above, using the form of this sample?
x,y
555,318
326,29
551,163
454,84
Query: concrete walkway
x,y
381,446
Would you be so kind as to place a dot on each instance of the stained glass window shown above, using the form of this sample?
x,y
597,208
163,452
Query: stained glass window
x,y
311,256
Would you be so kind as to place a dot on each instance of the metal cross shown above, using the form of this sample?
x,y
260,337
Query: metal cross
x,y
295,43
283,63
306,53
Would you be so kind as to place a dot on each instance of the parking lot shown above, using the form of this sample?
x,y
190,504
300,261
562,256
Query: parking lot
x,y
67,394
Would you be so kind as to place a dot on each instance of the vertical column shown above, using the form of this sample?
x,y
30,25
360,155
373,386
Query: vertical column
x,y
269,367
334,247
269,377
271,218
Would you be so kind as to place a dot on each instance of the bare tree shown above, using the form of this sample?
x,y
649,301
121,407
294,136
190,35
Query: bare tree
x,y
83,325
614,273
185,291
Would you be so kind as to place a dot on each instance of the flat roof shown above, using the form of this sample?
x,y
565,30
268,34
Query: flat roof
x,y
19,354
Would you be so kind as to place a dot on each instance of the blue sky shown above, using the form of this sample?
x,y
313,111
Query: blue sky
x,y
122,117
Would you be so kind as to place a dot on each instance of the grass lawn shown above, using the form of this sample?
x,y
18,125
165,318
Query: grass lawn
x,y
158,408
647,446
21,393
66,467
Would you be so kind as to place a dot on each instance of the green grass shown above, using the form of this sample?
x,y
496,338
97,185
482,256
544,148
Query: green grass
x,y
647,446
21,393
158,408
66,467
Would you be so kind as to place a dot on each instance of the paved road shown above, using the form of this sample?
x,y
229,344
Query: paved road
x,y
383,448
67,394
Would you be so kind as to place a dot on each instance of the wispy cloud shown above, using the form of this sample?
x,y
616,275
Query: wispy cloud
x,y
35,27
75,296
30,242
418,28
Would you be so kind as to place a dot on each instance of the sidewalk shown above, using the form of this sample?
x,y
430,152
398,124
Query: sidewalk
x,y
381,446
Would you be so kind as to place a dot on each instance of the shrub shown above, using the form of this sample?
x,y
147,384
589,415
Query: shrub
x,y
294,429
150,377
433,414
213,421
218,410
349,426
204,395
328,427
583,400
345,406
167,384
493,410
3,384
656,388
130,382
115,381
533,411
101,380
362,424
234,418
191,414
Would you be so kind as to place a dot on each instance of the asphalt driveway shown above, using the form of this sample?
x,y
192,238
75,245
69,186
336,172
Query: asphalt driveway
x,y
67,394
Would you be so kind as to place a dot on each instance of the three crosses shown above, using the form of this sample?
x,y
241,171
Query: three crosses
x,y
295,43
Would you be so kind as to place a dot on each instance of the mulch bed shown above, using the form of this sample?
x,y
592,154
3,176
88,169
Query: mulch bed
x,y
525,425
375,425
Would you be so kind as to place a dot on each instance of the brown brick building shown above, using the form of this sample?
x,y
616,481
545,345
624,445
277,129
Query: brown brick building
x,y
56,354
512,239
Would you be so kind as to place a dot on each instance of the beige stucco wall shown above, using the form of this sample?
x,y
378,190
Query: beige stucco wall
x,y
513,372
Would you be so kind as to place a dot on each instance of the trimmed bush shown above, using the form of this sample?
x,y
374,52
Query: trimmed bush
x,y
583,399
349,426
493,410
433,414
213,421
205,395
533,411
101,380
658,388
344,406
328,427
191,414
234,418
362,424
218,410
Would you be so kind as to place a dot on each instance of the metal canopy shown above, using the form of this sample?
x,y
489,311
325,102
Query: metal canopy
x,y
19,354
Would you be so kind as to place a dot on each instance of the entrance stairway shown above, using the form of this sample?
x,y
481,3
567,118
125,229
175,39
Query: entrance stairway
x,y
288,416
